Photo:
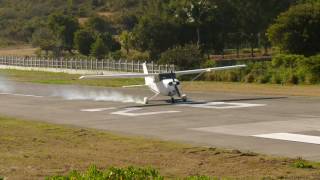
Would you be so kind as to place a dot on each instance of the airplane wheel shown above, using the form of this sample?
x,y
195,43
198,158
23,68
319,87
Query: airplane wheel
x,y
184,98
173,100
145,100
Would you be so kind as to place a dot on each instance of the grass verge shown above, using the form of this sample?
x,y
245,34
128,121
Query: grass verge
x,y
203,86
33,150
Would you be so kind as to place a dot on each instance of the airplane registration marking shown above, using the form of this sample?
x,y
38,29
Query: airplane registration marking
x,y
97,109
291,137
25,95
222,105
130,112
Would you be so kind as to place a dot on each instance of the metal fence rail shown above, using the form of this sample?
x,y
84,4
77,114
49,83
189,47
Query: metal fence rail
x,y
84,64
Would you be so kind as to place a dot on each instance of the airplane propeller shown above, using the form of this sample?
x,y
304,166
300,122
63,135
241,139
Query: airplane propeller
x,y
175,83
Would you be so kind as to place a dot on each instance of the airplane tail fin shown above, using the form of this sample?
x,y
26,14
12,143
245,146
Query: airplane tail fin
x,y
145,69
148,80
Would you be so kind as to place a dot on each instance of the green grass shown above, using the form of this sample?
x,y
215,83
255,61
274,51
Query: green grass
x,y
202,86
64,78
35,150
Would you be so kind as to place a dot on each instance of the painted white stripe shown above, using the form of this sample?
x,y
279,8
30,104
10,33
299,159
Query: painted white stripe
x,y
25,95
130,112
222,105
291,137
97,109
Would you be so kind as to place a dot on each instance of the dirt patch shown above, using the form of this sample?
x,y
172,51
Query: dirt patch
x,y
18,51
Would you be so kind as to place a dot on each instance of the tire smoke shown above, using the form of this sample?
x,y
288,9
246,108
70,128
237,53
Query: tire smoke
x,y
5,85
95,95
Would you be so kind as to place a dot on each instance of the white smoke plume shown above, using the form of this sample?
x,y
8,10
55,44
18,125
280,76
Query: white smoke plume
x,y
95,95
5,85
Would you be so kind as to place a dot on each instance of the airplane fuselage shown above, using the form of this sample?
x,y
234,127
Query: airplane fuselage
x,y
165,87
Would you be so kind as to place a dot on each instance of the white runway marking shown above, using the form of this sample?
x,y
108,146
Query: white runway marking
x,y
291,137
97,109
25,95
265,127
222,105
129,112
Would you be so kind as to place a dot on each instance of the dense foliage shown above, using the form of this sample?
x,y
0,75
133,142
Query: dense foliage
x,y
297,30
174,31
112,173
283,69
185,57
130,173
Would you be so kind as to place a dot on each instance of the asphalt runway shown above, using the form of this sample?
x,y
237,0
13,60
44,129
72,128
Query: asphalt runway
x,y
285,126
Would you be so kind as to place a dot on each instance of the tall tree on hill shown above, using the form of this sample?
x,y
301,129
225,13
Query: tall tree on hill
x,y
99,49
83,40
64,27
197,13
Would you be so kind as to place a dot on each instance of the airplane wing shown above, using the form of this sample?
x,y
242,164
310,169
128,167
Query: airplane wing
x,y
197,71
135,75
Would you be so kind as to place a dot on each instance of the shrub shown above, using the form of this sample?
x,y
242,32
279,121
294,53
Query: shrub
x,y
112,174
300,163
249,78
185,57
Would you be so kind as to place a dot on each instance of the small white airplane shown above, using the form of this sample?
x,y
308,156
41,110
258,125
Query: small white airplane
x,y
165,84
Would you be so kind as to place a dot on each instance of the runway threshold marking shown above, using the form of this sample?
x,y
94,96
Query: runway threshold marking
x,y
97,109
25,95
222,105
130,112
291,137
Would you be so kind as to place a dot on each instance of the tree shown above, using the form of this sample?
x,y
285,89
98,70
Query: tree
x,y
199,12
99,49
83,41
154,34
126,40
64,27
45,39
99,25
185,57
297,30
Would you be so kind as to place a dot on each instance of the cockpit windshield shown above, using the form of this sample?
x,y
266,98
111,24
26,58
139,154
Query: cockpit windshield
x,y
167,76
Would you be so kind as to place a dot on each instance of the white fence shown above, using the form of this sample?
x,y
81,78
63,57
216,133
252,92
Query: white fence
x,y
84,64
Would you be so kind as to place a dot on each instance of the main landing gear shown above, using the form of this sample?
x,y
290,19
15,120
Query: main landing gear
x,y
183,98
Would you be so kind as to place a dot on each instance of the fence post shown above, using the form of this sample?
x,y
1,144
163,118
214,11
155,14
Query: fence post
x,y
119,65
132,66
102,65
152,66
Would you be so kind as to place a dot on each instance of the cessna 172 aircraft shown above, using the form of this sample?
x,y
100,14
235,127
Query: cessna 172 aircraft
x,y
165,84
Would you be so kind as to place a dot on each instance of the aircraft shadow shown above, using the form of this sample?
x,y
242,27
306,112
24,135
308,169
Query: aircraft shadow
x,y
168,102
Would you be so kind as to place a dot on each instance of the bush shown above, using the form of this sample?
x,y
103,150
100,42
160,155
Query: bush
x,y
112,174
185,57
300,163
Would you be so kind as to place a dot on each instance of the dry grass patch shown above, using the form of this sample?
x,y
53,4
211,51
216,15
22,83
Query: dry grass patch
x,y
32,150
246,88
18,51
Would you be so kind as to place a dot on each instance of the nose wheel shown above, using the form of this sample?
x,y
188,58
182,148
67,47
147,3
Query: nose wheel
x,y
173,100
184,98
145,100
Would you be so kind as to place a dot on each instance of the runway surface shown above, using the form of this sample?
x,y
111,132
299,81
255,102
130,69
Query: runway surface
x,y
285,126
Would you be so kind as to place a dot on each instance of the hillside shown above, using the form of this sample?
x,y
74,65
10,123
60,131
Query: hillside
x,y
20,18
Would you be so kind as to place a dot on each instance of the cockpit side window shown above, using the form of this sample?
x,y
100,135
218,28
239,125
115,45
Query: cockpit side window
x,y
166,76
